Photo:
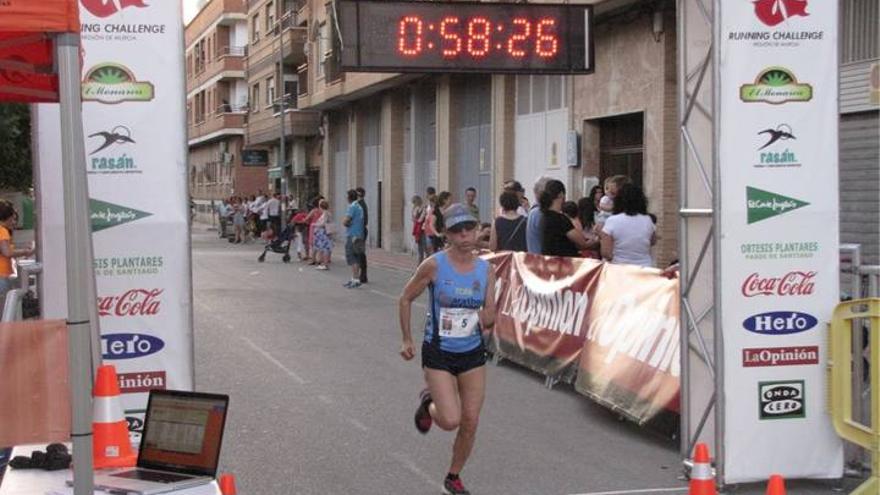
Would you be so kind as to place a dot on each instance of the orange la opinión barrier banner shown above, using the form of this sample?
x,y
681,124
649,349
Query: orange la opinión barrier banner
x,y
611,329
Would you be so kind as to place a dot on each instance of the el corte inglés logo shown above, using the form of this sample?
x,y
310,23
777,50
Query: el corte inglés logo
x,y
775,85
107,215
765,204
114,83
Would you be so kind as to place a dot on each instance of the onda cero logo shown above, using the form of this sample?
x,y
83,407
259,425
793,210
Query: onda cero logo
x,y
106,8
781,400
129,345
775,12
780,323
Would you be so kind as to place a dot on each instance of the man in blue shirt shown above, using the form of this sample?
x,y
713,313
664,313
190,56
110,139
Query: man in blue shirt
x,y
534,226
354,238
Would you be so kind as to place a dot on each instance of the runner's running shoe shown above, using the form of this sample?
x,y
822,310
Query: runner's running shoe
x,y
454,486
423,416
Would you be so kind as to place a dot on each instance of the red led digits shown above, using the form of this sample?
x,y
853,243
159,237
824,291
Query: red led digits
x,y
410,24
452,47
479,29
513,44
546,44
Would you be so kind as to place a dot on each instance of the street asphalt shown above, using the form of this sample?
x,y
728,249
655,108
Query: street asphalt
x,y
321,403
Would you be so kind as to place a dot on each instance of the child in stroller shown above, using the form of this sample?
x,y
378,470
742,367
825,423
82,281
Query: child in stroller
x,y
279,244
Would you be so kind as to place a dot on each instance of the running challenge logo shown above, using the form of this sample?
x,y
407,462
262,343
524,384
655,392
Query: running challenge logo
x,y
777,25
106,8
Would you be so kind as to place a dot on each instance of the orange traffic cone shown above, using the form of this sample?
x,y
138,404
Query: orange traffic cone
x,y
227,484
111,446
702,481
776,485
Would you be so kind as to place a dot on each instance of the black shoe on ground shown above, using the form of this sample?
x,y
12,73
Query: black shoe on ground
x,y
423,418
454,486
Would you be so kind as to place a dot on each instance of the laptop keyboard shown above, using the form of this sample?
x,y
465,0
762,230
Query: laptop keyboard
x,y
154,476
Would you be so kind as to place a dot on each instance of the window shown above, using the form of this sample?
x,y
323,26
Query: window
x,y
270,17
621,146
536,94
270,91
322,46
255,28
860,30
255,98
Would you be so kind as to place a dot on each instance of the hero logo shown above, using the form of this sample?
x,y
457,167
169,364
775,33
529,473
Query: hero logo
x,y
775,12
790,284
780,323
136,302
106,8
781,400
129,345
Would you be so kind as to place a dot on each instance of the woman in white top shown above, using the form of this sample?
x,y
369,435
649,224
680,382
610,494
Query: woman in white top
x,y
627,236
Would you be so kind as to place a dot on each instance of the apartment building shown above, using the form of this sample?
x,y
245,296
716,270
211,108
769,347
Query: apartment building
x,y
277,31
217,103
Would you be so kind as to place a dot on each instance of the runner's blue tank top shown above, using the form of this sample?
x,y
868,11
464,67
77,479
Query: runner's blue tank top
x,y
455,300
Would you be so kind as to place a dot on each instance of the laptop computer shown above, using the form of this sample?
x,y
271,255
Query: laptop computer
x,y
180,446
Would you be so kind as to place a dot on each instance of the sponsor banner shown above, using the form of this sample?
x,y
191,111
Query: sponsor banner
x,y
133,93
611,329
779,221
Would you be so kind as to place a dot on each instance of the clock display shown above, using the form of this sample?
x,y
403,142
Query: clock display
x,y
417,36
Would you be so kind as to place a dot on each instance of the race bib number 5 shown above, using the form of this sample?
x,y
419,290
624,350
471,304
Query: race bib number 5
x,y
458,322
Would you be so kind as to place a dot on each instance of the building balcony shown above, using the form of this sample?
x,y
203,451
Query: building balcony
x,y
227,120
229,64
223,12
264,127
294,39
338,88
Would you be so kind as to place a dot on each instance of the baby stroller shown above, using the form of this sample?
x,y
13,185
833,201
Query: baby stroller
x,y
280,244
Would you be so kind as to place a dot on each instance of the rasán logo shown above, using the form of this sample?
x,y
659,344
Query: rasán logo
x,y
129,345
114,83
775,12
775,85
117,162
136,302
774,157
790,284
106,215
106,8
780,323
781,400
762,204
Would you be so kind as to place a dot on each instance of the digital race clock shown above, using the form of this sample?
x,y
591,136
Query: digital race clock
x,y
419,36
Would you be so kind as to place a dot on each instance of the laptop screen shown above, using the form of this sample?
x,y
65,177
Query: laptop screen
x,y
183,432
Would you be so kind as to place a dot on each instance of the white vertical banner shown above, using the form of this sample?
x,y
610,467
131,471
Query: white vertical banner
x,y
133,91
778,142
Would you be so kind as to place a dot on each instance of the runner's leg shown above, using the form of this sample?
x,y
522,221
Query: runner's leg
x,y
472,390
445,408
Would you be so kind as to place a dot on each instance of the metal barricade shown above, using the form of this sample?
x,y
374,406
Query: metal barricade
x,y
849,315
12,305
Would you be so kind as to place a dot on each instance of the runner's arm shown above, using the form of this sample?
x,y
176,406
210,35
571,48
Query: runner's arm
x,y
487,315
412,290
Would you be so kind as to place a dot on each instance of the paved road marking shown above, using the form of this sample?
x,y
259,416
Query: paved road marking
x,y
274,361
409,464
646,490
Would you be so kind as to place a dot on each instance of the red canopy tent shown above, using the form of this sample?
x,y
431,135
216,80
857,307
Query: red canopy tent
x,y
40,62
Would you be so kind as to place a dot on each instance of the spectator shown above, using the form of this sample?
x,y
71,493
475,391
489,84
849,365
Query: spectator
x,y
627,236
484,236
239,213
323,240
429,223
517,188
223,212
354,240
361,194
570,209
8,219
559,236
606,204
509,231
470,199
272,209
534,228
418,228
587,216
309,239
438,224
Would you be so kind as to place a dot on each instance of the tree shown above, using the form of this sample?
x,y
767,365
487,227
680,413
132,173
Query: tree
x,y
16,172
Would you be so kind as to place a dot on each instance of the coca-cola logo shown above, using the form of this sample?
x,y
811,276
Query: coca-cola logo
x,y
791,284
135,302
775,12
106,8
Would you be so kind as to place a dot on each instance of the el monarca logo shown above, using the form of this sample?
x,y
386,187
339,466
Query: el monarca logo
x,y
114,83
775,85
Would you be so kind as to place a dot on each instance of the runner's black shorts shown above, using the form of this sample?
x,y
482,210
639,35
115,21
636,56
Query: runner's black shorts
x,y
454,363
